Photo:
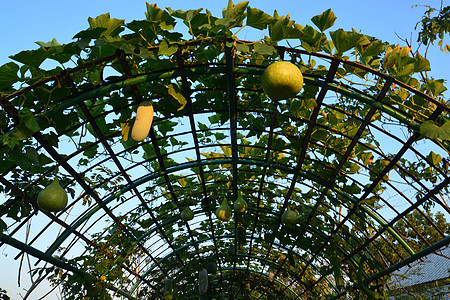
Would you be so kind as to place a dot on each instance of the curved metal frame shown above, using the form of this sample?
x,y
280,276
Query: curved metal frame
x,y
230,70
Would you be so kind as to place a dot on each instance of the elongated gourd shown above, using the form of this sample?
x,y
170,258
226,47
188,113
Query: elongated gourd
x,y
211,267
202,281
240,236
168,289
291,258
336,265
143,122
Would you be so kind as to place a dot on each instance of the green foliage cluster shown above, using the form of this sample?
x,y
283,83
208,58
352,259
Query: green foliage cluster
x,y
81,97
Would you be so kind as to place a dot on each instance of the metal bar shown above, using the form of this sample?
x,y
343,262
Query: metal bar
x,y
312,121
187,95
55,261
232,106
442,243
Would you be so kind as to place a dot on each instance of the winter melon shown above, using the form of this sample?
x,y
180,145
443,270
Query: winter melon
x,y
143,122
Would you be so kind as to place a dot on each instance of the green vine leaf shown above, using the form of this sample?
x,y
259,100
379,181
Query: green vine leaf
x,y
435,87
311,39
434,158
345,40
372,49
258,19
28,120
113,26
166,49
235,12
32,58
157,15
8,75
324,20
264,49
433,131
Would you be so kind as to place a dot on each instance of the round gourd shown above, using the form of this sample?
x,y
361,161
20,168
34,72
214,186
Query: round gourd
x,y
289,217
282,80
187,214
52,198
143,122
223,212
240,205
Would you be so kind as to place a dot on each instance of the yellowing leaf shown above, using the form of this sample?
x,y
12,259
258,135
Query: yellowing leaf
x,y
182,182
226,150
113,26
177,95
125,130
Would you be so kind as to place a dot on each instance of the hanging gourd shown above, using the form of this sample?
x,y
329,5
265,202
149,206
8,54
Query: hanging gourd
x,y
240,205
282,80
143,121
187,214
202,281
289,217
52,198
168,289
223,212
211,267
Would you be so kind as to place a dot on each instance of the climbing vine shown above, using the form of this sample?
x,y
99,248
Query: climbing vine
x,y
67,108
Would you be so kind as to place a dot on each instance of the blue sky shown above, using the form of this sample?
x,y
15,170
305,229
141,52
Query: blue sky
x,y
25,22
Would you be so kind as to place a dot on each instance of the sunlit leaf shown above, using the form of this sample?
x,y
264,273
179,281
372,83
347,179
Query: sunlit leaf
x,y
126,127
324,20
113,26
434,158
433,131
345,40
258,19
175,92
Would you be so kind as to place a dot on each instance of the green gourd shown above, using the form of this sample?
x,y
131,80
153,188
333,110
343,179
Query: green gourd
x,y
187,214
202,281
291,258
223,212
289,217
53,198
168,289
211,267
336,265
240,205
240,236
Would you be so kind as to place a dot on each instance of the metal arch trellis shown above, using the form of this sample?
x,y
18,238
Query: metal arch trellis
x,y
232,73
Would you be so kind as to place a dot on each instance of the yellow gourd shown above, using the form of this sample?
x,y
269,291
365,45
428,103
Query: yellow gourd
x,y
143,122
